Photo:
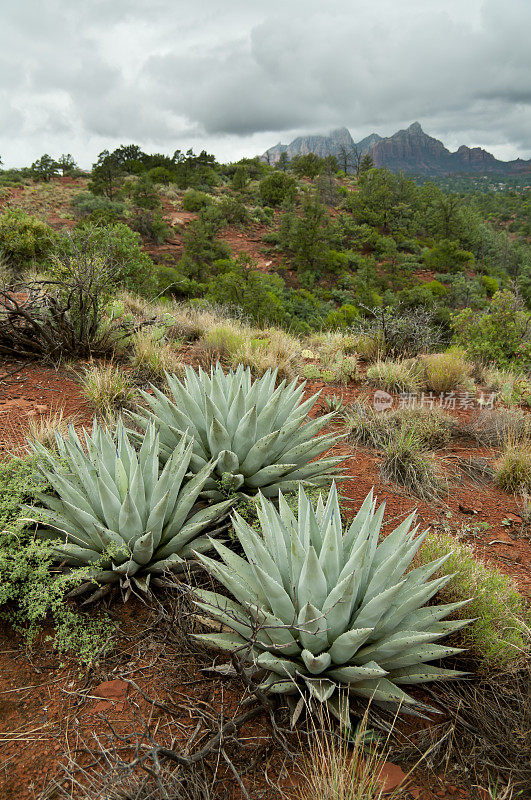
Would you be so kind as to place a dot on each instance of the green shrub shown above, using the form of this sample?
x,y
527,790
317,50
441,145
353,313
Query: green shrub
x,y
132,268
277,188
30,589
86,204
491,285
24,240
145,195
194,200
150,225
498,636
500,334
233,211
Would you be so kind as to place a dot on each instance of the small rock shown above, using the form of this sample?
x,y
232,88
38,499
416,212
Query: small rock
x,y
112,690
390,777
41,409
466,510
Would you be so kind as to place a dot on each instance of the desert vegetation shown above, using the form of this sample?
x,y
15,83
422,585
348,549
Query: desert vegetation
x,y
210,373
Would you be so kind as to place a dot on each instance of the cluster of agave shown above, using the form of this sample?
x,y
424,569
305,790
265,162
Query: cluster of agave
x,y
314,607
117,510
255,432
331,611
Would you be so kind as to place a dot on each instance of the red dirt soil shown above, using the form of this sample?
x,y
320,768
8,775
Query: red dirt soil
x,y
47,710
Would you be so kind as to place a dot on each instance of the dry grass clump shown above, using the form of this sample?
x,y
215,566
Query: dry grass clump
x,y
492,427
511,389
107,387
408,463
270,349
432,426
395,376
152,357
234,343
334,768
445,372
134,304
192,323
44,428
222,341
513,469
365,425
367,347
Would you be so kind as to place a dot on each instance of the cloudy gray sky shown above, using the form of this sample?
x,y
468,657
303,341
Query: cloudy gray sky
x,y
237,76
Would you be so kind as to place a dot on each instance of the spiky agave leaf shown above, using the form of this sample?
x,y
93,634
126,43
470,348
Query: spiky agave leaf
x,y
257,433
333,611
117,509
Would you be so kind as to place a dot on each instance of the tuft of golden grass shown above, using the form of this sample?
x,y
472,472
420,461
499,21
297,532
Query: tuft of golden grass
x,y
43,429
151,357
445,372
107,387
337,768
234,343
395,376
513,468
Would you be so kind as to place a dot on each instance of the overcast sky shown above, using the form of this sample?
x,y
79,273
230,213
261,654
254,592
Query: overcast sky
x,y
237,76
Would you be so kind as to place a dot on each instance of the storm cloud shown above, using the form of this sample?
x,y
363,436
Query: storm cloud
x,y
237,77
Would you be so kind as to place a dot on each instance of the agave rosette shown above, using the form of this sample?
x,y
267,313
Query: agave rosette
x,y
335,613
257,434
116,510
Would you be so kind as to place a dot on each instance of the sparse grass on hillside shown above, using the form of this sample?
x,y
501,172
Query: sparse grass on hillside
x,y
494,426
152,357
432,426
446,372
395,376
107,387
407,462
513,469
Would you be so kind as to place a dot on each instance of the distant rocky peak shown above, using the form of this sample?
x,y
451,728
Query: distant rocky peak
x,y
410,150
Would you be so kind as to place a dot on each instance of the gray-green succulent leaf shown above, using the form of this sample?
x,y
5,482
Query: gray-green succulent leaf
x,y
258,434
330,611
116,508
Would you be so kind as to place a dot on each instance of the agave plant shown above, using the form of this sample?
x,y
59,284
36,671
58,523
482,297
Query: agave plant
x,y
255,432
328,611
117,510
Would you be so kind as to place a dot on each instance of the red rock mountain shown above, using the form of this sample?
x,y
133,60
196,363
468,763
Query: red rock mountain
x,y
411,151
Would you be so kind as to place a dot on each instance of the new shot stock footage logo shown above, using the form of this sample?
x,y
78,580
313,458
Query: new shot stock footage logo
x,y
450,401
